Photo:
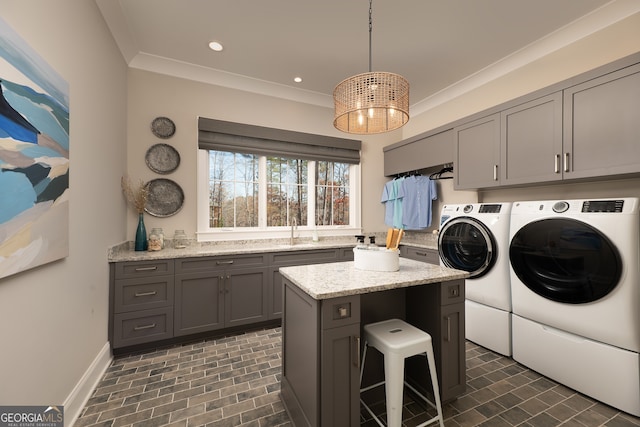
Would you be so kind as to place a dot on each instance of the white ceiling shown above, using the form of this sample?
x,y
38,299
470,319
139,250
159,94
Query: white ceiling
x,y
438,45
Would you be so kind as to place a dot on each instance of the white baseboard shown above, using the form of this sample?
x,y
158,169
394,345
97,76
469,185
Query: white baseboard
x,y
81,393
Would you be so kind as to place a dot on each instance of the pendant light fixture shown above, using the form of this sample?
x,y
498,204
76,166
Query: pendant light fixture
x,y
372,102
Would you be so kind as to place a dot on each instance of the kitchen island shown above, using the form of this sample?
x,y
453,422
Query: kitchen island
x,y
325,308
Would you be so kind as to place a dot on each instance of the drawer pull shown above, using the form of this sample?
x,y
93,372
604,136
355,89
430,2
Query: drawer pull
x,y
143,327
355,351
145,294
421,253
146,268
224,262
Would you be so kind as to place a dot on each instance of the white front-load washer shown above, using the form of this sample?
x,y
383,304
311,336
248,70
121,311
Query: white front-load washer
x,y
575,288
475,238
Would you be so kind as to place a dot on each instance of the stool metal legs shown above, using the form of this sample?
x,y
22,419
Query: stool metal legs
x,y
394,384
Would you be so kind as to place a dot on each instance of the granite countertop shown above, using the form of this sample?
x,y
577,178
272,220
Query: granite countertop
x,y
323,281
124,251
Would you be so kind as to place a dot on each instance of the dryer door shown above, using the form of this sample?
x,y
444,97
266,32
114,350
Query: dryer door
x,y
467,244
565,260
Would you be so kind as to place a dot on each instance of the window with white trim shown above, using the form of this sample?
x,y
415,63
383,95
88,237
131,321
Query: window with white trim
x,y
247,191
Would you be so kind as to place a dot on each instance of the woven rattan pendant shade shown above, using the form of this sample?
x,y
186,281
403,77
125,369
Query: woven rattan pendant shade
x,y
373,102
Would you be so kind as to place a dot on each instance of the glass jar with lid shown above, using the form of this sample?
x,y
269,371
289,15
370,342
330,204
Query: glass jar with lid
x,y
180,240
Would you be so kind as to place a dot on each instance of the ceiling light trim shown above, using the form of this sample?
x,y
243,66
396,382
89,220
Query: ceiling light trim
x,y
573,32
185,70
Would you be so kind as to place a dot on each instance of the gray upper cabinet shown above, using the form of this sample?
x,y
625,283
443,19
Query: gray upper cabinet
x,y
531,141
477,153
586,127
419,152
602,125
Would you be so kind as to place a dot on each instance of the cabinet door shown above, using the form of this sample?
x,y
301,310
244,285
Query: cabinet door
x,y
453,368
531,138
275,294
477,153
199,299
245,295
419,153
602,125
340,368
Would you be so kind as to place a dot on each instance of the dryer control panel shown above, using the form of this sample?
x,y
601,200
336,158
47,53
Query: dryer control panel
x,y
602,206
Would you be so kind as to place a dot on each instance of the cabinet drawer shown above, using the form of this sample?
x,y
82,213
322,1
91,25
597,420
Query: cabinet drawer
x,y
190,265
125,270
142,326
452,292
313,256
420,254
340,311
143,293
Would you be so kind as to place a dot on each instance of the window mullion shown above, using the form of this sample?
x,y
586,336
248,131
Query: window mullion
x,y
311,191
262,192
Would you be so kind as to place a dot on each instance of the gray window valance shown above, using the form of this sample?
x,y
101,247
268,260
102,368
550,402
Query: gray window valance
x,y
249,139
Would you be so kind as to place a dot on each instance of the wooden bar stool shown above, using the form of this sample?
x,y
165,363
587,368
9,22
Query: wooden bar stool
x,y
398,340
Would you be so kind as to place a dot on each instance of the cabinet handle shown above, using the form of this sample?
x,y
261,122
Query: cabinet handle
x,y
556,164
495,172
224,262
145,294
146,268
421,253
566,162
141,328
355,351
447,338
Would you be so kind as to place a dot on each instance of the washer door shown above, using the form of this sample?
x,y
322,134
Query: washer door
x,y
467,244
565,260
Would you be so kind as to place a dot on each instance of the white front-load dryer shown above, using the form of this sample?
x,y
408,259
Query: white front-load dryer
x,y
575,287
475,238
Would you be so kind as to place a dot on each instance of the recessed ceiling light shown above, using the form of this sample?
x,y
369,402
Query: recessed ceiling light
x,y
216,46
297,79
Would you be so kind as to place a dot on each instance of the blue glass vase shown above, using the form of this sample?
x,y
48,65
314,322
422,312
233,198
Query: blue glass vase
x,y
141,235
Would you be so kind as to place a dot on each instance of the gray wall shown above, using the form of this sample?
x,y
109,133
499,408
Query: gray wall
x,y
53,319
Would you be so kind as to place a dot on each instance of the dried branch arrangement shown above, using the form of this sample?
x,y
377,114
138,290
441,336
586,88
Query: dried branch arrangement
x,y
136,194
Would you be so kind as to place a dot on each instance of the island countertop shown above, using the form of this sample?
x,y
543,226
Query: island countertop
x,y
331,280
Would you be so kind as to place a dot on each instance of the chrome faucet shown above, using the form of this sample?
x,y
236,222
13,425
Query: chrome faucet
x,y
294,224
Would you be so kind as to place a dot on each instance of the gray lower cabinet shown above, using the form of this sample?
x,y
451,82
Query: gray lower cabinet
x,y
141,302
286,259
439,310
220,292
321,378
429,256
152,301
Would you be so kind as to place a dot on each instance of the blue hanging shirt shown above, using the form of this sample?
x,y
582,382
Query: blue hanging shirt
x,y
419,192
392,195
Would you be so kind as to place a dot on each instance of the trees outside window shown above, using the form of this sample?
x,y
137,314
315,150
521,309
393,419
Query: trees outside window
x,y
293,188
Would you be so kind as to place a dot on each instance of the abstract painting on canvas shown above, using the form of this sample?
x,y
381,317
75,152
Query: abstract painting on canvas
x,y
34,158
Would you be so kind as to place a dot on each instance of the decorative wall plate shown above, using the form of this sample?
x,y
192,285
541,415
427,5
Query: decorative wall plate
x,y
165,197
162,158
163,127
